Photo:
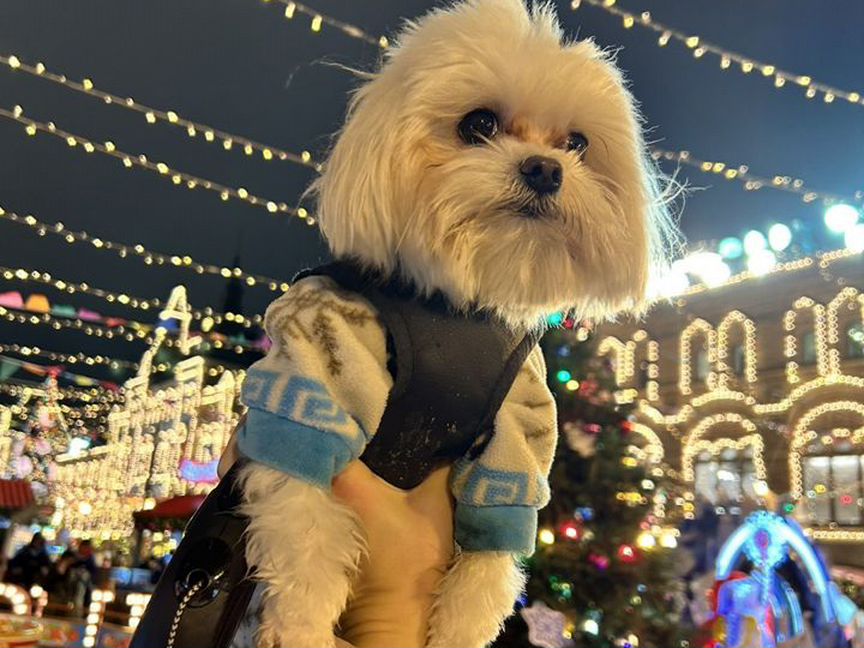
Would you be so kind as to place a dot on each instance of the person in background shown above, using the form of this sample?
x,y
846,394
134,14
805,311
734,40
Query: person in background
x,y
31,565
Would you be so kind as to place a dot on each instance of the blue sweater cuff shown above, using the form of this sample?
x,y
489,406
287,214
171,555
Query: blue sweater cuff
x,y
496,528
304,452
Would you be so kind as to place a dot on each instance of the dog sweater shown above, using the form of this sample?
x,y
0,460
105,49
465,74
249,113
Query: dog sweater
x,y
317,398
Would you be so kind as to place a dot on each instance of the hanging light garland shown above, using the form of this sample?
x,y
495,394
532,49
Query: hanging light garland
x,y
68,358
318,20
88,395
193,129
741,173
178,178
728,59
65,374
90,360
140,303
135,331
149,257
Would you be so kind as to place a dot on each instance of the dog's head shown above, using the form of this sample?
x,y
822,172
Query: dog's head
x,y
500,164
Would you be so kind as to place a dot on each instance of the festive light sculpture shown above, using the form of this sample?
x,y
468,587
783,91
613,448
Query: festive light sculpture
x,y
151,436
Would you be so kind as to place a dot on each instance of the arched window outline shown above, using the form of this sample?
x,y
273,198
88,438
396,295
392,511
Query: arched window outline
x,y
724,350
694,444
625,353
846,295
686,356
819,330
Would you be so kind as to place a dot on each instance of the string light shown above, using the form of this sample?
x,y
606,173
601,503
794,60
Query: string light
x,y
68,358
132,331
848,296
178,178
131,301
88,395
318,19
152,115
700,414
726,57
800,438
741,173
694,444
625,360
824,261
149,257
790,347
685,379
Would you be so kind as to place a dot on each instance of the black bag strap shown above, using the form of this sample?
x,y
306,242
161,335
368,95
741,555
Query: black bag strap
x,y
502,387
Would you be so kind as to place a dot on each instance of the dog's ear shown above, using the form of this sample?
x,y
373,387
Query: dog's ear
x,y
358,200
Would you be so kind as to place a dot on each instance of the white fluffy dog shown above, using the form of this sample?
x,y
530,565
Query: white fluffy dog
x,y
495,162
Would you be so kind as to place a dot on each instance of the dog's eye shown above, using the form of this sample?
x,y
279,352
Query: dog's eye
x,y
577,142
478,126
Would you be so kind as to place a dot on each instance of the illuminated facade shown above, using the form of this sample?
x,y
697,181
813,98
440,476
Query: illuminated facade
x,y
164,440
760,380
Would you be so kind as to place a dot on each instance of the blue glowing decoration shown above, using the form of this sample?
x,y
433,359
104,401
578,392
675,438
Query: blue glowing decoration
x,y
198,472
765,539
563,351
731,247
563,376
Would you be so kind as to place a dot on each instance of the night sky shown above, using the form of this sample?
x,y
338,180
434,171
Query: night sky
x,y
240,66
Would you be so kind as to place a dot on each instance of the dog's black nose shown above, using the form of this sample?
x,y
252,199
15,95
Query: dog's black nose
x,y
542,174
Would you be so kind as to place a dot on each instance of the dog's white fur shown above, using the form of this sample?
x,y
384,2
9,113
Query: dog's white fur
x,y
475,598
401,192
306,547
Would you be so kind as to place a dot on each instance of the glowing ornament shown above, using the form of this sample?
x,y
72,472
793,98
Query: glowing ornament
x,y
731,248
853,238
546,537
563,376
761,262
590,626
646,540
570,530
754,241
627,554
779,237
841,217
669,539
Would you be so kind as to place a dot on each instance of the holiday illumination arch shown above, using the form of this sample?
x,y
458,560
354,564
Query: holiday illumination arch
x,y
694,444
803,435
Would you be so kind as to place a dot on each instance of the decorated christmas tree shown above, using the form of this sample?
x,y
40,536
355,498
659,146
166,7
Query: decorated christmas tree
x,y
604,571
40,439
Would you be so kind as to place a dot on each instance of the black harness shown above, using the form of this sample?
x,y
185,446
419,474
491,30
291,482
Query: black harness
x,y
451,373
